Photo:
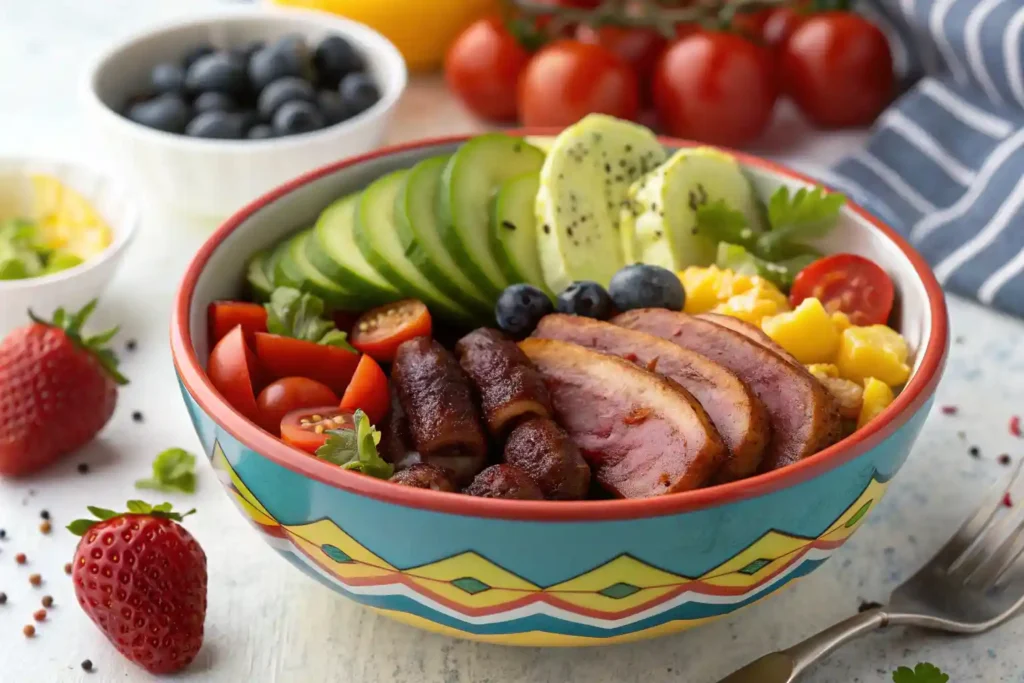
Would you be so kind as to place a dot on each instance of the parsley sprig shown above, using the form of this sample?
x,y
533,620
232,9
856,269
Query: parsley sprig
x,y
922,673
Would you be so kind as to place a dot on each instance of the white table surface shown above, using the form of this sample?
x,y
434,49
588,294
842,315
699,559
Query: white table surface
x,y
267,622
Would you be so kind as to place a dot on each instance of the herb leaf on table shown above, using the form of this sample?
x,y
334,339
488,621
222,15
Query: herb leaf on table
x,y
173,470
922,673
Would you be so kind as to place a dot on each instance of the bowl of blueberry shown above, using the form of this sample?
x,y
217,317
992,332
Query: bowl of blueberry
x,y
206,114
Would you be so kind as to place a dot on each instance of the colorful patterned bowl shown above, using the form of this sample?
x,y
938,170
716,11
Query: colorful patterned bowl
x,y
546,573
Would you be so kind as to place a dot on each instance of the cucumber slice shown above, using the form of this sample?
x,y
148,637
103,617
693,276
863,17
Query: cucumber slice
x,y
583,185
377,238
660,227
315,282
419,231
286,274
514,229
256,276
332,250
470,180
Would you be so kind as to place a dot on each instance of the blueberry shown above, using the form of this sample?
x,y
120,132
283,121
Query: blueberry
x,y
245,53
520,307
297,116
283,90
586,298
219,72
359,92
167,78
332,106
287,57
260,132
334,59
168,112
216,124
214,101
195,54
645,286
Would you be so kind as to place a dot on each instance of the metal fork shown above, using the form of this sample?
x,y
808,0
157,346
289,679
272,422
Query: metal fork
x,y
970,586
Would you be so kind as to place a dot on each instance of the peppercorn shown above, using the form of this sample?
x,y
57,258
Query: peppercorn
x,y
3,533
39,615
35,579
974,451
1004,459
20,558
47,601
83,468
137,416
29,630
67,569
87,665
131,345
3,598
45,527
45,514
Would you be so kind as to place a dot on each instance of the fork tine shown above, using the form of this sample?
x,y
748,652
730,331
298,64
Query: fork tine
x,y
959,547
992,564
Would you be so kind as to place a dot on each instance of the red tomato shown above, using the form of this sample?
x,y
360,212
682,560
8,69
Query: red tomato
x,y
780,26
751,24
638,47
849,283
291,393
380,331
568,80
368,391
287,357
307,428
225,315
232,368
715,87
838,68
482,68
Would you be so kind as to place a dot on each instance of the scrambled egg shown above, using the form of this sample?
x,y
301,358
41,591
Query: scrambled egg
x,y
877,397
808,332
66,219
747,297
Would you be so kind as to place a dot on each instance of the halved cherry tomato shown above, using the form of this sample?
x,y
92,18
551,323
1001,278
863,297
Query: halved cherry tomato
x,y
849,283
225,315
291,393
287,357
307,428
368,391
380,331
232,369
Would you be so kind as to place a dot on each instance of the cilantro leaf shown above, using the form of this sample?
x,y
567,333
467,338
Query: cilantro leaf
x,y
356,449
300,315
922,673
805,215
173,470
780,273
722,223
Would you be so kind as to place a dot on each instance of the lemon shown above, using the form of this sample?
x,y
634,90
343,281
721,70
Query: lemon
x,y
421,29
66,220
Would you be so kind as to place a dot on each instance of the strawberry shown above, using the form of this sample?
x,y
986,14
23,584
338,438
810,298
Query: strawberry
x,y
58,389
141,577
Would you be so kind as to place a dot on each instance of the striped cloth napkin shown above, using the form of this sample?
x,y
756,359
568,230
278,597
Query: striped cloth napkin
x,y
945,163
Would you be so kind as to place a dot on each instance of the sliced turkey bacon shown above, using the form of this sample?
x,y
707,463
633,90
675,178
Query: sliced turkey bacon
x,y
803,414
508,384
642,435
736,412
750,331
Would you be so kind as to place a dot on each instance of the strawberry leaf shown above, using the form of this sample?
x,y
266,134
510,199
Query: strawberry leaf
x,y
80,526
356,449
71,324
135,507
174,470
139,507
101,513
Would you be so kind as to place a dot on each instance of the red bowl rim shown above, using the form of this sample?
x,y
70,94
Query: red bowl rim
x,y
913,397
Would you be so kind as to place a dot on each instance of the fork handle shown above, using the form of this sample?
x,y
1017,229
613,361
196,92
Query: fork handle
x,y
786,665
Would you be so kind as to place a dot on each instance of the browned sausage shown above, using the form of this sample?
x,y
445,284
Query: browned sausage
x,y
504,481
736,412
641,434
395,442
423,476
803,414
508,384
437,398
544,451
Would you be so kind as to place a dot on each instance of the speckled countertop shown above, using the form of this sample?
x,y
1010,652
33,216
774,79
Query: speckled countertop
x,y
267,623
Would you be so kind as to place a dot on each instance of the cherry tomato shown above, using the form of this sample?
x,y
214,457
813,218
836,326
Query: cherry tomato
x,y
849,283
287,357
715,87
751,24
380,331
838,68
291,393
638,47
780,25
307,428
483,67
233,369
568,80
225,315
368,391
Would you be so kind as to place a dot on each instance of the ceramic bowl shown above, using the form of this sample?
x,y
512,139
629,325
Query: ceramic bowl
x,y
213,178
547,573
75,287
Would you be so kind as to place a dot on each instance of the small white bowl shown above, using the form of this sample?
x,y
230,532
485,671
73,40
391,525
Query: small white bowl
x,y
213,178
75,287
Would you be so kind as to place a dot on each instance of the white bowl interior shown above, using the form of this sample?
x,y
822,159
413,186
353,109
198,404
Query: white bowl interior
x,y
224,273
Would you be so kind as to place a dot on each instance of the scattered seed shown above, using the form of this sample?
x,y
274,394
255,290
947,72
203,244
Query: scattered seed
x,y
3,533
67,568
1004,459
950,410
39,615
974,451
20,558
1015,427
47,601
865,605
87,665
131,345
45,514
3,598
46,527
29,630
137,416
83,468
35,580
962,435
960,340
1007,501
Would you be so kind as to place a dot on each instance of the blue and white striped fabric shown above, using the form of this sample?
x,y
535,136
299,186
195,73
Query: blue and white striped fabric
x,y
945,165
